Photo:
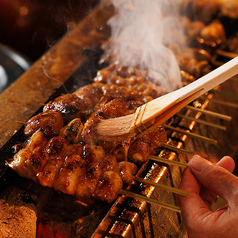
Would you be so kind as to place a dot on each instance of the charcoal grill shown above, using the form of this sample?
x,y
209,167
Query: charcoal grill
x,y
69,64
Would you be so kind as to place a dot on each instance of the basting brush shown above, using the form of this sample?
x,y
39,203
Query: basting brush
x,y
152,114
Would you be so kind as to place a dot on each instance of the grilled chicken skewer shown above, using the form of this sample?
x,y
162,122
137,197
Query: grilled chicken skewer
x,y
161,109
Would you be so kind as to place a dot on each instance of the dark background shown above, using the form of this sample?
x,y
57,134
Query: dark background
x,y
31,27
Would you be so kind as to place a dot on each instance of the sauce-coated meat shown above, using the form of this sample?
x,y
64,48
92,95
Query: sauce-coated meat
x,y
109,187
62,151
49,122
69,105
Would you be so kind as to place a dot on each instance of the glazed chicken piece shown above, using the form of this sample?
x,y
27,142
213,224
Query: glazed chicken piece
x,y
70,106
72,149
109,187
49,122
141,149
18,163
52,167
87,184
71,172
56,145
37,139
213,34
76,105
27,160
127,170
131,79
27,164
90,94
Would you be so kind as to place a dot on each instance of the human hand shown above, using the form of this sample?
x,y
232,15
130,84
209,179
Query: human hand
x,y
204,181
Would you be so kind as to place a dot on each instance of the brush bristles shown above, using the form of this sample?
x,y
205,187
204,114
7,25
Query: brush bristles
x,y
115,129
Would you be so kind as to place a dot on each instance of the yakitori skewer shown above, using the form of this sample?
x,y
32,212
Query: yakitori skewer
x,y
159,110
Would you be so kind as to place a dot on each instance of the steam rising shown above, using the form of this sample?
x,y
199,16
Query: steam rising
x,y
143,33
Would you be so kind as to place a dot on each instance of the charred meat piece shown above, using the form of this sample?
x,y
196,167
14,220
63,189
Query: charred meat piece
x,y
37,139
74,149
139,151
18,163
47,176
37,161
127,170
70,105
109,187
49,122
112,109
56,145
87,184
72,170
90,94
132,81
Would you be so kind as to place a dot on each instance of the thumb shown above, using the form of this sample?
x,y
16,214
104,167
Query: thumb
x,y
227,163
215,178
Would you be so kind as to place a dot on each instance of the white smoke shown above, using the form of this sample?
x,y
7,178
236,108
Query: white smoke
x,y
143,31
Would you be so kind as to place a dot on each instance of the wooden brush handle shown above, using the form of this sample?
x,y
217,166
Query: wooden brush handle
x,y
154,108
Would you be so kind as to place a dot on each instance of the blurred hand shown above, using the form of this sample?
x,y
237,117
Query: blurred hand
x,y
204,181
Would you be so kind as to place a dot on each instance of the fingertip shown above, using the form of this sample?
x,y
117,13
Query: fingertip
x,y
227,163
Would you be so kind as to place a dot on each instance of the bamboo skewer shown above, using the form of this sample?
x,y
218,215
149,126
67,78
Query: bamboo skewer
x,y
21,122
224,93
210,113
202,121
174,148
167,161
229,104
163,186
162,108
226,54
150,200
192,135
